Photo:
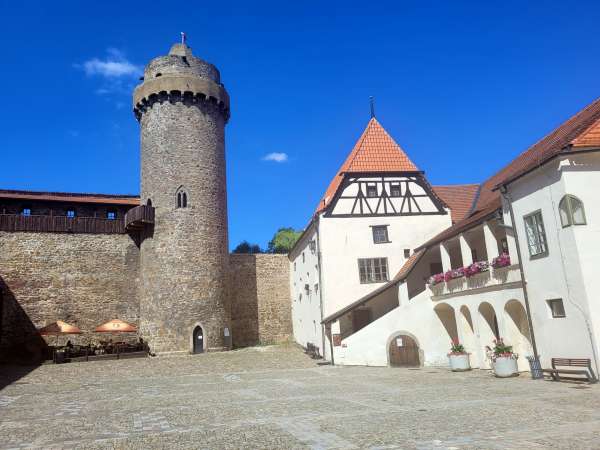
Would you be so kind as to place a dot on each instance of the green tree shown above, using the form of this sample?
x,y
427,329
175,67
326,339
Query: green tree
x,y
247,247
283,241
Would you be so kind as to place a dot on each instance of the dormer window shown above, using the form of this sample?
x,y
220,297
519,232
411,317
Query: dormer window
x,y
182,198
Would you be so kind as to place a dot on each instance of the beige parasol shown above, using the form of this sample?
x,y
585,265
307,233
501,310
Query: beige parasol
x,y
116,326
59,327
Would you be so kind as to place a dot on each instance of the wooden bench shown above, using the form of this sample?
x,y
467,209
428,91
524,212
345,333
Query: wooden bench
x,y
558,365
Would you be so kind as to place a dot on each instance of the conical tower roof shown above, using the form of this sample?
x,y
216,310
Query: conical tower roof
x,y
374,152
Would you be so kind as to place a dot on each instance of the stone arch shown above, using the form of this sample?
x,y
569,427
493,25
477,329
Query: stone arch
x,y
192,334
398,334
446,314
517,331
488,328
469,338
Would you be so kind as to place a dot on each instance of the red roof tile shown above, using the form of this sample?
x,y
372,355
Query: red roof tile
x,y
583,129
71,197
459,198
375,151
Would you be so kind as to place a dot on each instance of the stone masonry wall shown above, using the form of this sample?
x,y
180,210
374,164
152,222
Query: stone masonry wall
x,y
82,279
260,299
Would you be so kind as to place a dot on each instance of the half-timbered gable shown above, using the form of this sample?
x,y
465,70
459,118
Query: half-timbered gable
x,y
368,195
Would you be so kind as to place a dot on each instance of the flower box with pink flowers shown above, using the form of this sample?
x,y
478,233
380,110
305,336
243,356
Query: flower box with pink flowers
x,y
501,261
476,267
435,279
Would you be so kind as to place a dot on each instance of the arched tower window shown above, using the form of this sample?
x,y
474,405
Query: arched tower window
x,y
149,202
182,198
571,211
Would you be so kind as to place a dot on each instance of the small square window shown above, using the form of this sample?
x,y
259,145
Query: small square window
x,y
371,190
70,213
380,234
111,215
26,211
395,190
407,252
556,308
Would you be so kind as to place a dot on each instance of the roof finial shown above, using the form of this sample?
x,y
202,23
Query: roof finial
x,y
372,102
183,38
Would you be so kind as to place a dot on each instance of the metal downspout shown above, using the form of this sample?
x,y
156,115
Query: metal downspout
x,y
323,327
506,196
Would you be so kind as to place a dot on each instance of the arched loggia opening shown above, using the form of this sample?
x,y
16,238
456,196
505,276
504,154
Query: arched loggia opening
x,y
447,316
469,340
488,328
517,332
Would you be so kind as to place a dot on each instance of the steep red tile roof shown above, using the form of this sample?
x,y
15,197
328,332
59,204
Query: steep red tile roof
x,y
591,137
583,129
71,197
375,151
474,219
458,197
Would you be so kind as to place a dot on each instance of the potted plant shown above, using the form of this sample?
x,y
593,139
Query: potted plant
x,y
504,359
459,358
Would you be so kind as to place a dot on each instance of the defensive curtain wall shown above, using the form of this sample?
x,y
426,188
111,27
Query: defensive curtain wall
x,y
88,279
261,310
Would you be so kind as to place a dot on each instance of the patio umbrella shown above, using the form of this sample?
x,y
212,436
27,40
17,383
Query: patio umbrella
x,y
116,326
58,328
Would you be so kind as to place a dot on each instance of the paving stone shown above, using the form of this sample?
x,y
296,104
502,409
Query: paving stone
x,y
277,398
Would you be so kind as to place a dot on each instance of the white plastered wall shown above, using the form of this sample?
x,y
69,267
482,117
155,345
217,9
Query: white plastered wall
x,y
570,269
345,240
306,307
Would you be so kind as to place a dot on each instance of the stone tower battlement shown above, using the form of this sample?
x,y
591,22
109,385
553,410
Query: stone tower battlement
x,y
180,77
182,108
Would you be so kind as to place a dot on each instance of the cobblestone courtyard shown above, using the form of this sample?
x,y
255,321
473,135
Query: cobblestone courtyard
x,y
275,397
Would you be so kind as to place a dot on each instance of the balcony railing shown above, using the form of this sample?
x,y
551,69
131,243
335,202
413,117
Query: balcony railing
x,y
491,279
139,217
60,224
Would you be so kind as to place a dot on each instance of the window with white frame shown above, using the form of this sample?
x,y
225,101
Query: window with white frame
x,y
571,211
372,270
380,234
536,234
557,309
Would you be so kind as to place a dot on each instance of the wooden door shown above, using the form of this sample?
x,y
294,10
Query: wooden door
x,y
404,352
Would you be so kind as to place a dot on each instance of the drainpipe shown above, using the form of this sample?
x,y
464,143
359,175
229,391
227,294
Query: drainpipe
x,y
506,196
323,327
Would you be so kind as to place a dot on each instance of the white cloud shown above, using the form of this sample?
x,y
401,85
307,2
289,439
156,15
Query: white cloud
x,y
276,157
115,65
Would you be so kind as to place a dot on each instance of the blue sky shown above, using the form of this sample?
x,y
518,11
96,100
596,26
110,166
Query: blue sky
x,y
463,87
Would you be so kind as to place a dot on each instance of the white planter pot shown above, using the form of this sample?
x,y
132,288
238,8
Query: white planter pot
x,y
505,367
459,363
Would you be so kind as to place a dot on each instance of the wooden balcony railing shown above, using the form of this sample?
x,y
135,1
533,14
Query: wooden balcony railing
x,y
139,217
61,224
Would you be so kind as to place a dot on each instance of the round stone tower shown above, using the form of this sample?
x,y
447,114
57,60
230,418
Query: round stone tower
x,y
182,108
